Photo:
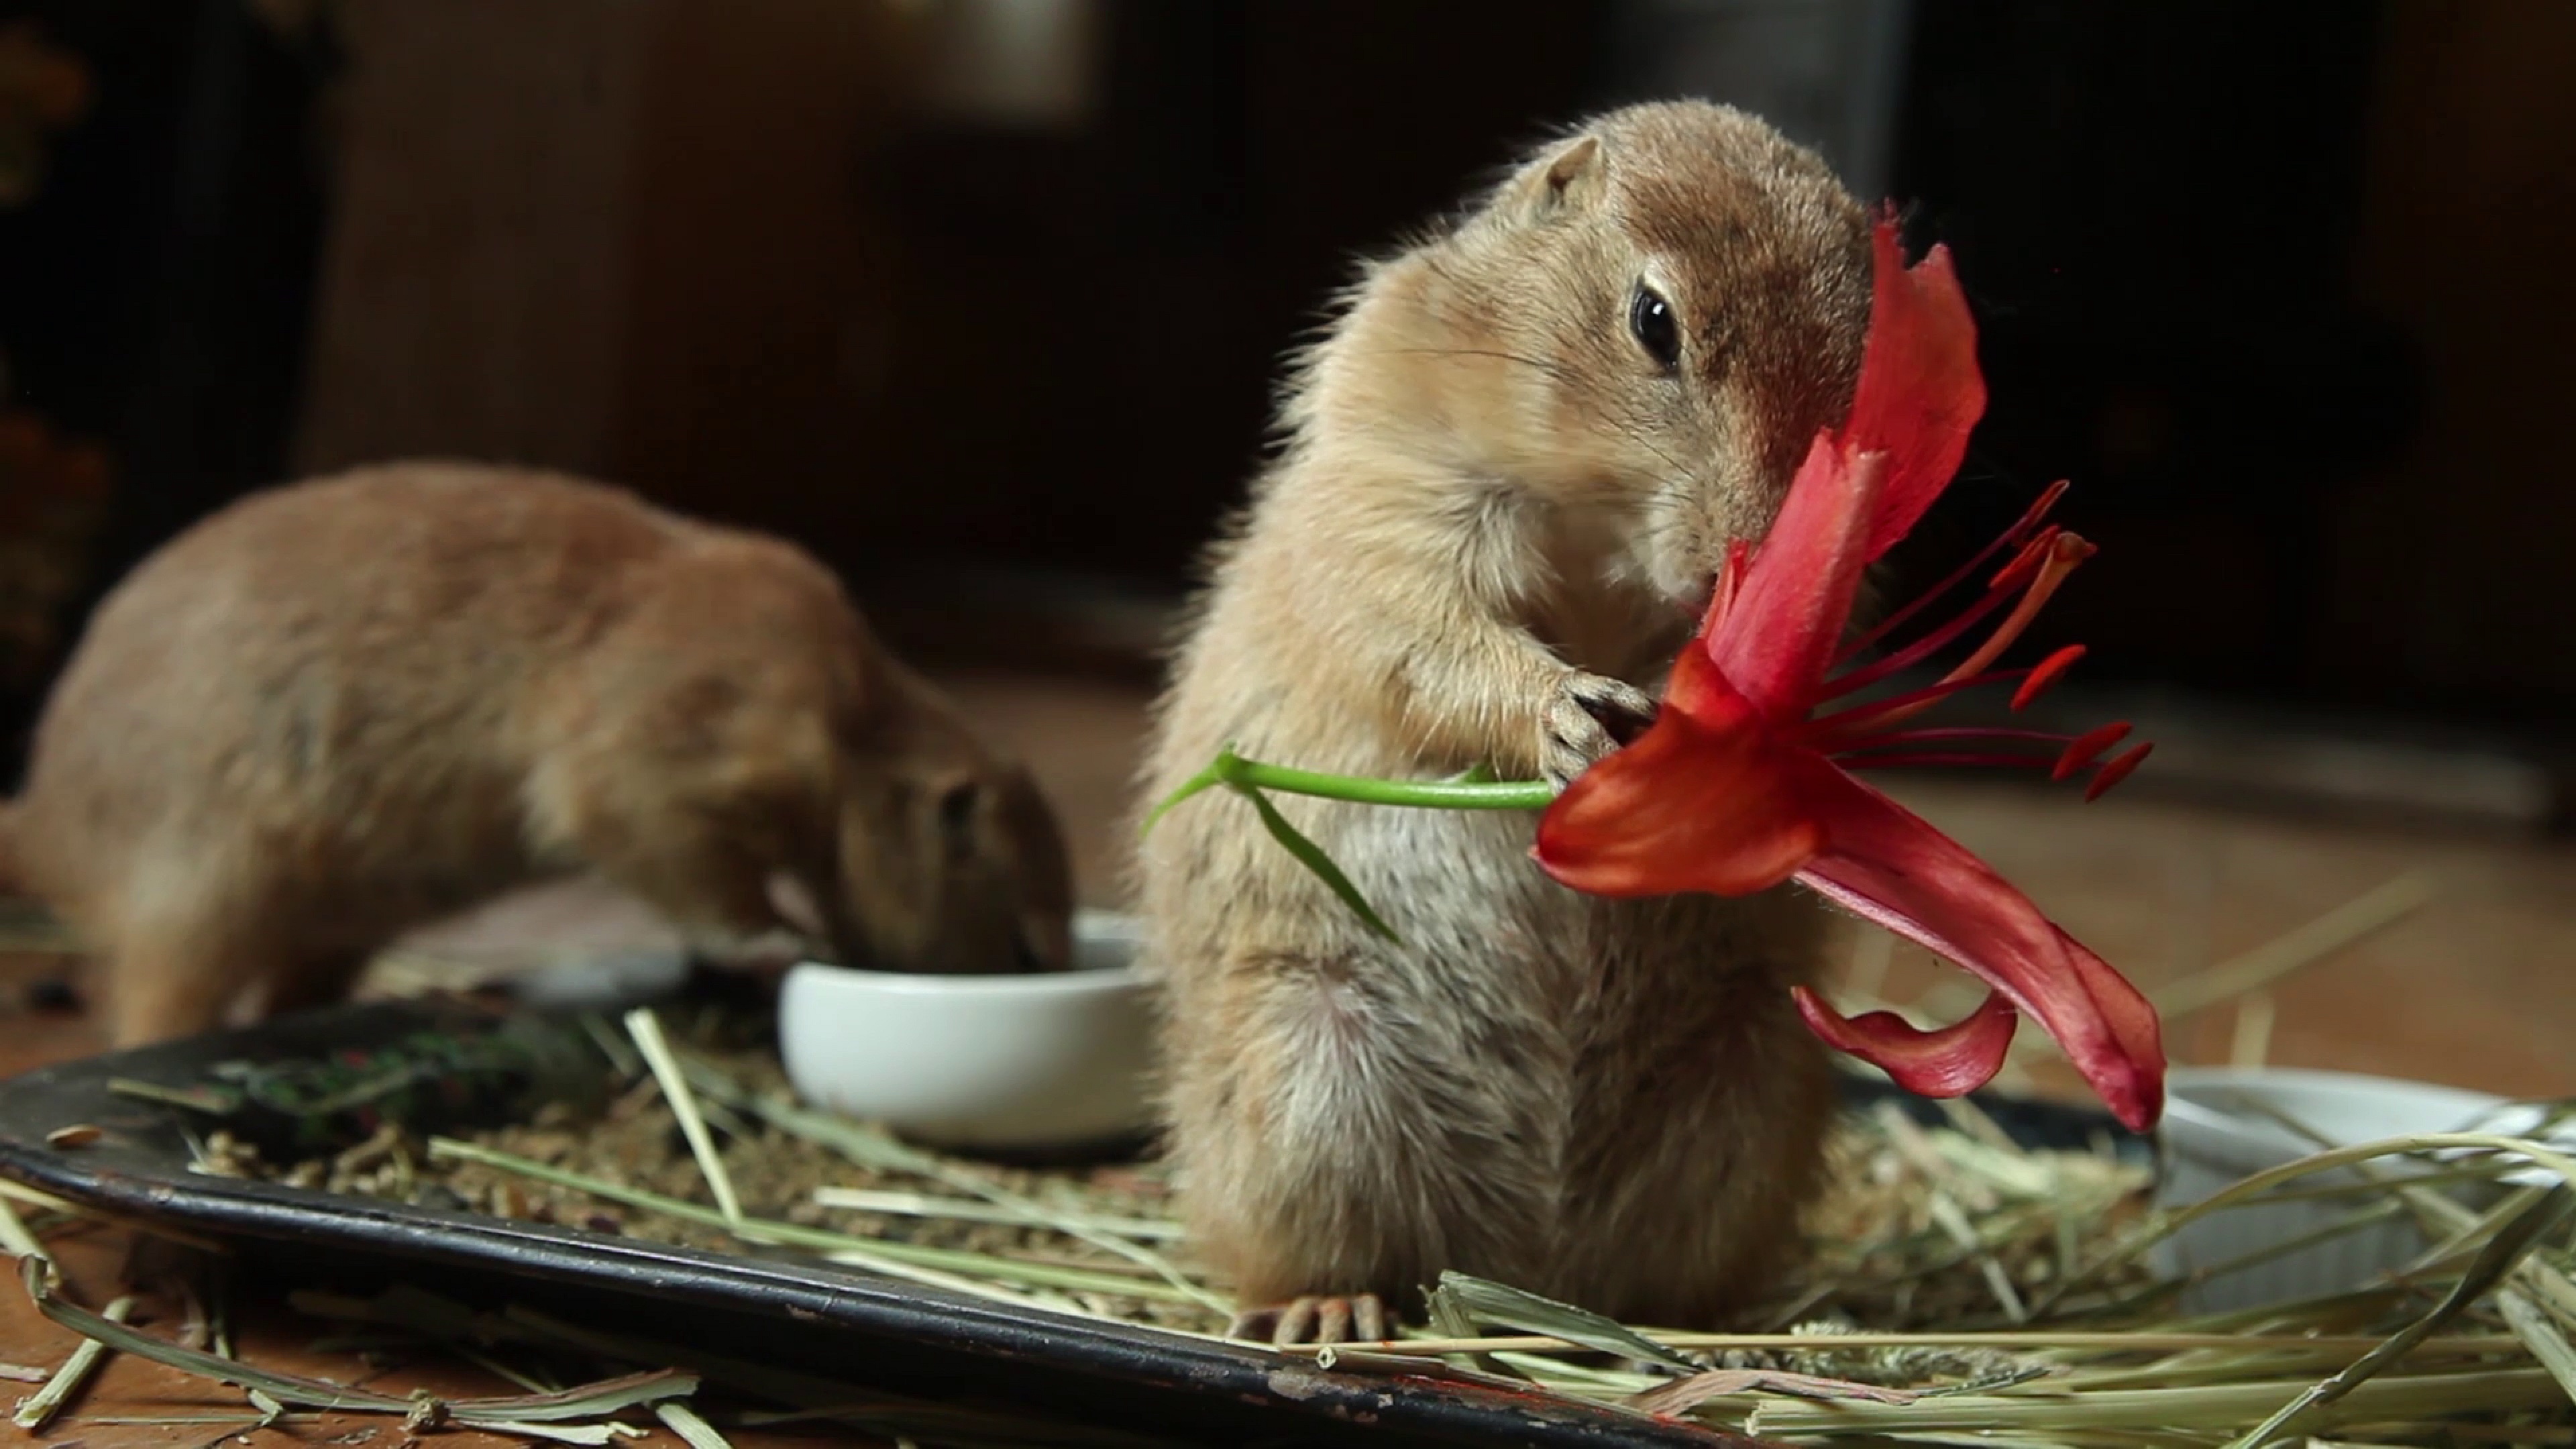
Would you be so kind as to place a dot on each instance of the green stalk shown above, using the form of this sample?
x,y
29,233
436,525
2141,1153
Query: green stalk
x,y
2251,1187
1460,794
955,1261
684,1421
2206,1407
1312,856
17,1241
870,1148
528,1415
646,1029
2501,1254
40,1407
1473,790
2542,1337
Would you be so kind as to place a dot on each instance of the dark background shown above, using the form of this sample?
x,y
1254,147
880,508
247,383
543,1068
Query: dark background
x,y
2282,288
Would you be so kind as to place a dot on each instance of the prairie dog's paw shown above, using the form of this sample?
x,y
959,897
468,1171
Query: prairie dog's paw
x,y
1588,716
1323,1318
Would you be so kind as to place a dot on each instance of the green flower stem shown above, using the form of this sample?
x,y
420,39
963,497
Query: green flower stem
x,y
1312,856
1474,790
1422,794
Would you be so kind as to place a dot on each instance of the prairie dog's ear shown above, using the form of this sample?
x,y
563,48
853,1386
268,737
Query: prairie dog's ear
x,y
1570,180
948,808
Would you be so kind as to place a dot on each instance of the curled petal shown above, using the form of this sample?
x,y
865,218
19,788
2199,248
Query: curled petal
x,y
1920,392
1949,1061
1887,864
1785,616
1705,800
1682,691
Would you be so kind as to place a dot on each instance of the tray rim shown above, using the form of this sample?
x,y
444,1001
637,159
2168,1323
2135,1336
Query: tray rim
x,y
135,1173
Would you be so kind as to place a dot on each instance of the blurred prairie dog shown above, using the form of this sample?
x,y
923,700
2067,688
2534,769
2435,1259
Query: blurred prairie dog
x,y
1511,470
338,709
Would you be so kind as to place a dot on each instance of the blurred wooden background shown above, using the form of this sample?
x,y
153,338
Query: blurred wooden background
x,y
983,299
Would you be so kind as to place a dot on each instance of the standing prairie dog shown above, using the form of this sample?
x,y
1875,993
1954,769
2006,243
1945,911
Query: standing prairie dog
x,y
1511,471
335,710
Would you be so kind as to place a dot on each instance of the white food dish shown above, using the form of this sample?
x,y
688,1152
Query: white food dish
x,y
1022,1062
2217,1131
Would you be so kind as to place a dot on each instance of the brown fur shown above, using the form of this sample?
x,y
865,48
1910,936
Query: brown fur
x,y
1493,517
338,709
13,876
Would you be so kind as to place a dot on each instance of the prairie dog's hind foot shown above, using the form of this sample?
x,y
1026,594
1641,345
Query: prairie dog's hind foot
x,y
1587,717
166,982
1319,1318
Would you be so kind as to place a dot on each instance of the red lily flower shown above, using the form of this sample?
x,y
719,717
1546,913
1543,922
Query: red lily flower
x,y
1740,785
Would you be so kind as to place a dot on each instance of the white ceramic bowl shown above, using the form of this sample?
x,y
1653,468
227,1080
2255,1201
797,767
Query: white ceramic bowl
x,y
1010,1062
2216,1131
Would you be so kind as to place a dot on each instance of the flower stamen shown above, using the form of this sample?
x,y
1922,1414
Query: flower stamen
x,y
2036,571
1867,717
1849,744
2117,770
1966,758
2087,747
2045,674
1905,658
2016,534
2053,561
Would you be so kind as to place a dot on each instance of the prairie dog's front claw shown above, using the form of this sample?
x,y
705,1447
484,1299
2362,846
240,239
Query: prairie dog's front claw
x,y
1587,717
1315,1318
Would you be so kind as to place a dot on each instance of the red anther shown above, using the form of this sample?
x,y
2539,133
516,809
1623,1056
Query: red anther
x,y
2025,561
2117,770
2039,507
2045,673
2085,748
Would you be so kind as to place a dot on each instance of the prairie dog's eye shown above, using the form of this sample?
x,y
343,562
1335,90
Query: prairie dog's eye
x,y
1651,319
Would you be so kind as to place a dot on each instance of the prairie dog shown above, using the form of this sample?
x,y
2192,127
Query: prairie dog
x,y
338,709
1510,471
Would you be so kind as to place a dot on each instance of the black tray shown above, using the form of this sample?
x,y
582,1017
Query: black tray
x,y
914,1340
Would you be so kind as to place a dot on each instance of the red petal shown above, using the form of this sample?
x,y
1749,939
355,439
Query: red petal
x,y
1887,864
1951,1061
1920,392
1682,690
1703,801
1784,623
